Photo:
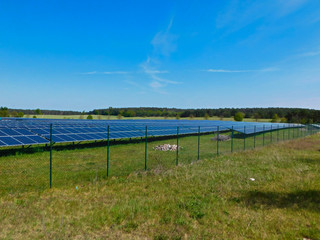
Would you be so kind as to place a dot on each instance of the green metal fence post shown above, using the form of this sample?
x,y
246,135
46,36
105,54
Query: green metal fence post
x,y
254,137
51,155
292,132
263,135
244,138
283,132
146,150
199,143
278,134
177,159
218,141
271,134
108,149
232,135
288,131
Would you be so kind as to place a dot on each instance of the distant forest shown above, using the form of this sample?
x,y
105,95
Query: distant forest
x,y
292,115
297,115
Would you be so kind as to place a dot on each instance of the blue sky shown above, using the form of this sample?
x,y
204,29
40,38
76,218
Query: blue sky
x,y
81,55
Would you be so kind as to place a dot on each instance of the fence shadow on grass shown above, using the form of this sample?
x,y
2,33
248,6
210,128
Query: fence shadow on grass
x,y
308,200
314,161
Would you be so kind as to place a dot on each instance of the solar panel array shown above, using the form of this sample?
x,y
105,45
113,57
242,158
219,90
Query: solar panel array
x,y
18,131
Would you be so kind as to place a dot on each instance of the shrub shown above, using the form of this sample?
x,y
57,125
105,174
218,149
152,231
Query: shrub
x,y
283,120
89,117
239,116
14,114
275,118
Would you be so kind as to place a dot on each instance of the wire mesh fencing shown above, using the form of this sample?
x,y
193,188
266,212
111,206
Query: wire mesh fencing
x,y
76,164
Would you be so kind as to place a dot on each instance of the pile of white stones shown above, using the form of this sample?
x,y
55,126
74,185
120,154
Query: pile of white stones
x,y
166,147
221,138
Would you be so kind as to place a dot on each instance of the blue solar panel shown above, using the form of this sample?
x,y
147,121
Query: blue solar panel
x,y
2,144
10,141
18,135
37,131
25,140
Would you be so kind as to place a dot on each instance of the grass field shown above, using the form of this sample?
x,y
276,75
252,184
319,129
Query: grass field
x,y
104,117
210,198
25,171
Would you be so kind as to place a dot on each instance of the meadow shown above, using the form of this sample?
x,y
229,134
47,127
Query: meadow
x,y
29,168
270,192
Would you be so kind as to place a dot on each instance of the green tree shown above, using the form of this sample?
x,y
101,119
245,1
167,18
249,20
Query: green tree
x,y
239,116
206,116
256,116
119,116
38,111
4,112
20,114
34,116
14,114
90,117
275,118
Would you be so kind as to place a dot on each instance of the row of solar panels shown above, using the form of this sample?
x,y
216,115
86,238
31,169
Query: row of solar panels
x,y
15,132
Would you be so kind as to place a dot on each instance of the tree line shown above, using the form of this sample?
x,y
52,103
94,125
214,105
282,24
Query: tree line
x,y
297,115
291,115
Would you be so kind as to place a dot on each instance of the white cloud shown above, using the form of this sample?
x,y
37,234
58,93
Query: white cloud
x,y
132,83
155,71
164,42
238,14
310,54
226,71
152,72
286,7
241,71
90,73
108,73
155,77
156,85
116,72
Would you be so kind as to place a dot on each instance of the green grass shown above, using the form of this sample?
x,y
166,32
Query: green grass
x,y
104,117
210,198
24,172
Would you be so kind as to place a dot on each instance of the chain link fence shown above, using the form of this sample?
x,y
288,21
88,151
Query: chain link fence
x,y
77,164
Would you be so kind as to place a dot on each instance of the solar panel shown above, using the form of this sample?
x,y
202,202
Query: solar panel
x,y
37,131
19,136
